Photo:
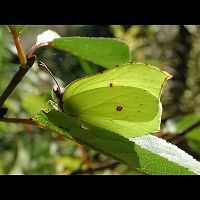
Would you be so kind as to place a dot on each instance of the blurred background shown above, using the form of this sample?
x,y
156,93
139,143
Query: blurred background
x,y
25,149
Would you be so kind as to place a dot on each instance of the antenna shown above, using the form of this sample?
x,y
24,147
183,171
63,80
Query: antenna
x,y
41,64
57,91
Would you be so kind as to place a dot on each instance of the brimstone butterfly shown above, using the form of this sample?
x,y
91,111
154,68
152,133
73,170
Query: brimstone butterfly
x,y
125,99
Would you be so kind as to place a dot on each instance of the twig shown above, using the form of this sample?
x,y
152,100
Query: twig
x,y
16,80
34,48
180,137
89,171
18,44
18,121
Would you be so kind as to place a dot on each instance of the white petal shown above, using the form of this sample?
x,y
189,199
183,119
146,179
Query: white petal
x,y
47,36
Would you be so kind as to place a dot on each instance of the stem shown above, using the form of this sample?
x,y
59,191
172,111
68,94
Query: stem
x,y
18,121
34,48
16,80
18,44
108,166
180,137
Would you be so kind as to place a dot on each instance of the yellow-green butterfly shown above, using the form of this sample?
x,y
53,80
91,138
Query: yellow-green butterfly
x,y
125,99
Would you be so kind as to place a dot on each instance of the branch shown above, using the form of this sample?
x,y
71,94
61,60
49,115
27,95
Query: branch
x,y
34,48
16,80
20,50
178,137
18,121
89,171
175,139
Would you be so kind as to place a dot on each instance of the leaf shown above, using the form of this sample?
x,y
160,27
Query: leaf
x,y
147,154
88,68
106,52
125,100
168,151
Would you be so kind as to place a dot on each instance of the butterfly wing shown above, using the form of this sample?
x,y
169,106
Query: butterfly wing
x,y
125,100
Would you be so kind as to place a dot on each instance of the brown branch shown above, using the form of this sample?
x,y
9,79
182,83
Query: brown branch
x,y
18,121
18,44
90,171
180,137
16,80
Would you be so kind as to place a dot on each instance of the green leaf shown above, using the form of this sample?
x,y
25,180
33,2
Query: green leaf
x,y
125,100
106,52
88,68
147,154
